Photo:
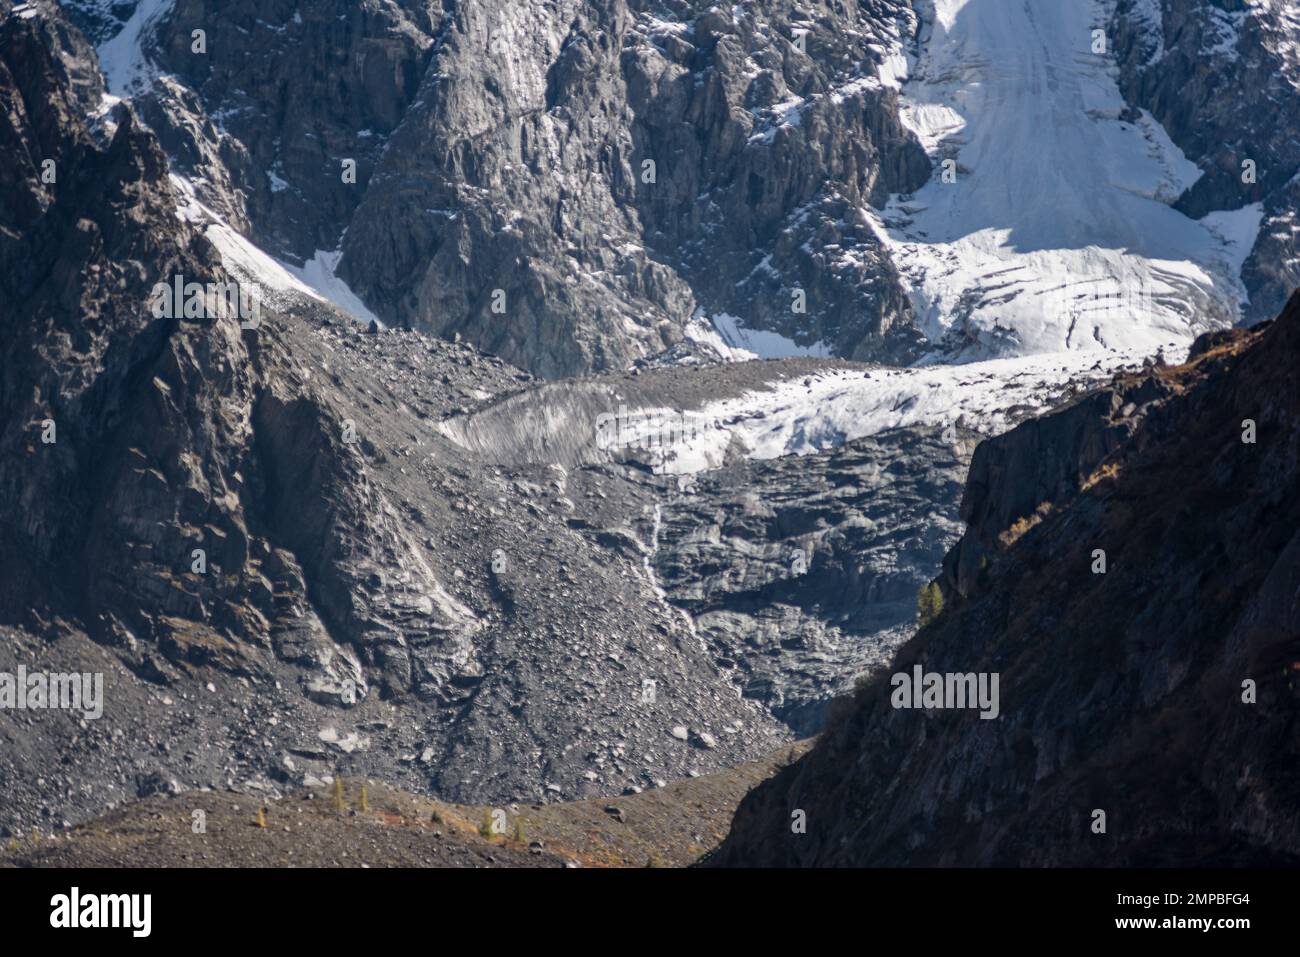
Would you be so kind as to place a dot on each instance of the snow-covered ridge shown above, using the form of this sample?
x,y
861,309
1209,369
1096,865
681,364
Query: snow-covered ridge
x,y
1052,230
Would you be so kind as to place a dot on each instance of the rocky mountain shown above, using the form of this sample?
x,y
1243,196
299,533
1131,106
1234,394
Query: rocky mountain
x,y
264,510
296,546
1129,571
1224,80
577,186
563,185
378,397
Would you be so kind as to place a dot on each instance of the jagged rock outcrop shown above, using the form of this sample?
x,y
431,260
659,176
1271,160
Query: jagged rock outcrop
x,y
72,55
81,226
296,89
772,135
562,186
582,164
130,436
802,573
1014,477
1224,81
263,509
1160,691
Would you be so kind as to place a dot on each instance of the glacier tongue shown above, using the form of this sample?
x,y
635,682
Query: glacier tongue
x,y
1056,234
814,413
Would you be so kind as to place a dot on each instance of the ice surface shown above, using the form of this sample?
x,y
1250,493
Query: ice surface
x,y
803,415
1057,234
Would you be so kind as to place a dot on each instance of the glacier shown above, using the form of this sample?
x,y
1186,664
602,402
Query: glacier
x,y
1054,230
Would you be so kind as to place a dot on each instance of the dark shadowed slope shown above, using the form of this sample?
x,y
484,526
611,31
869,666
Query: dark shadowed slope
x,y
1127,692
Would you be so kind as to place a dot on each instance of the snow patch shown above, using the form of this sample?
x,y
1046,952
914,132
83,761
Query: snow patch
x,y
761,343
319,274
238,255
1238,229
699,329
122,58
277,283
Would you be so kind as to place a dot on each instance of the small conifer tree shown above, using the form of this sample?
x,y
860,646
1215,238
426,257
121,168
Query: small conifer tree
x,y
929,604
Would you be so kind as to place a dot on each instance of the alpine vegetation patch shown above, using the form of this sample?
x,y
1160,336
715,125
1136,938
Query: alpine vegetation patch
x,y
179,299
74,910
922,689
41,690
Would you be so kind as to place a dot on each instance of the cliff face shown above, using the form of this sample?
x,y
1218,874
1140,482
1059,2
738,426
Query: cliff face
x,y
562,185
802,572
131,441
1224,81
83,223
1161,690
263,514
281,96
1045,461
607,170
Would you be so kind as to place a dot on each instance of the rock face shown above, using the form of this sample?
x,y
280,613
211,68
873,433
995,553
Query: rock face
x,y
1013,477
73,59
565,185
77,235
266,511
802,573
1148,707
132,441
1224,81
614,168
292,90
